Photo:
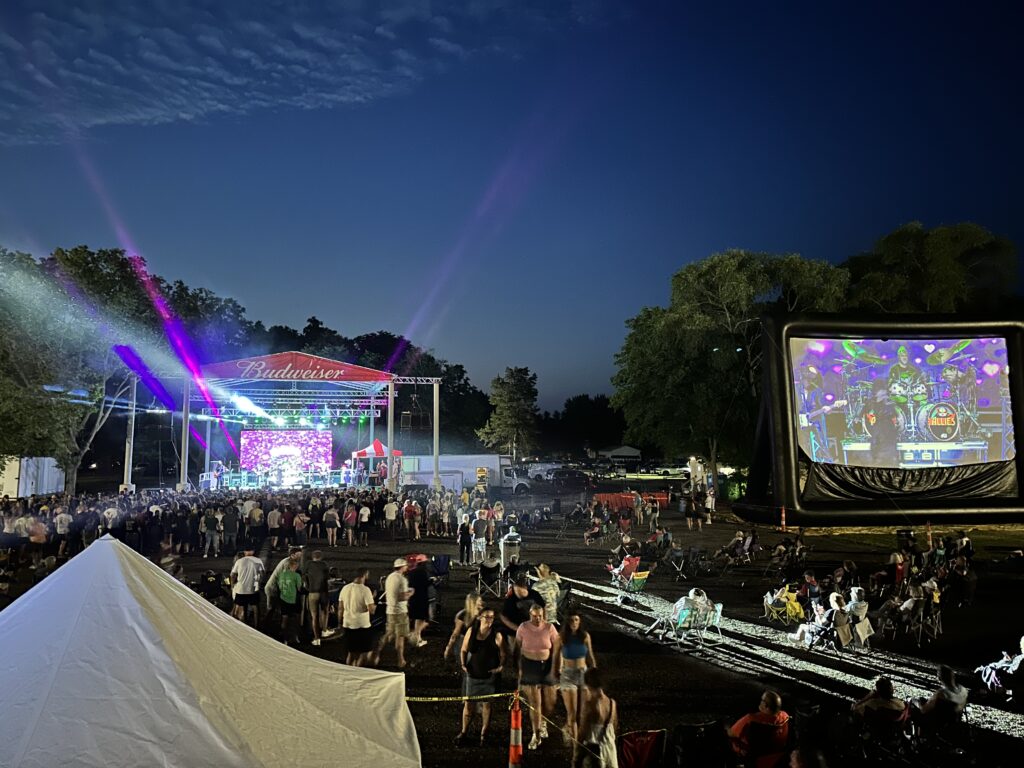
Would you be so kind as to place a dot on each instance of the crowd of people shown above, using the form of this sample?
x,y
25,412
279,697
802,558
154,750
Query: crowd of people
x,y
522,636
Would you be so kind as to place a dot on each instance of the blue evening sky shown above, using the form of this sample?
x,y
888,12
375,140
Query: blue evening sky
x,y
505,182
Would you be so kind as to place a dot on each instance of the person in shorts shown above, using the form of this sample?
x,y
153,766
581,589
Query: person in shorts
x,y
315,579
396,595
483,658
576,657
537,646
355,614
245,586
289,584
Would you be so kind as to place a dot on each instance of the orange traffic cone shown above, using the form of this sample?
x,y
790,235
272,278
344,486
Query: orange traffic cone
x,y
515,734
782,522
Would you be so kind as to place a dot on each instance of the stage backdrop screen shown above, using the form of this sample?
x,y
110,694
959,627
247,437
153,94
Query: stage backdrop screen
x,y
288,451
902,403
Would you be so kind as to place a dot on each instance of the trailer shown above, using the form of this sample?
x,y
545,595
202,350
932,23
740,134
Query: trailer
x,y
458,471
31,476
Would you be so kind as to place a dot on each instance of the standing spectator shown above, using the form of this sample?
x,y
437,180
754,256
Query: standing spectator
x,y
709,503
694,514
350,518
274,526
598,725
537,645
210,527
482,657
61,528
419,603
571,664
288,584
315,578
480,526
396,594
465,536
363,525
331,521
464,619
391,514
355,614
229,524
245,584
288,524
548,586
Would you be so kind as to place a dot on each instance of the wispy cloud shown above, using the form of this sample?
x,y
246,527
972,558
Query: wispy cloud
x,y
121,62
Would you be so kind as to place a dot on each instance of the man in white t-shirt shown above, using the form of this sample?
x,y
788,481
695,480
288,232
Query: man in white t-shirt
x,y
364,525
397,594
245,585
61,526
274,526
391,515
355,612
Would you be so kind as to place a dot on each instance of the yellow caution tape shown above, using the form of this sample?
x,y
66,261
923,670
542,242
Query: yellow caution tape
x,y
458,698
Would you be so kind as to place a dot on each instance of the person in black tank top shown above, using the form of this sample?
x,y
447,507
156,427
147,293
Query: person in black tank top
x,y
483,657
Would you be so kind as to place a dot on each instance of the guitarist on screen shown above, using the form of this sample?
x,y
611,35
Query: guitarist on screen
x,y
814,406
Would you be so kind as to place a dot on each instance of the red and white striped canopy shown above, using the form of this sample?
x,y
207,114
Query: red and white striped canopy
x,y
376,450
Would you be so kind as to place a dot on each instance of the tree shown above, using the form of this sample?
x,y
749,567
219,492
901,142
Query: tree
x,y
688,375
59,318
512,425
957,268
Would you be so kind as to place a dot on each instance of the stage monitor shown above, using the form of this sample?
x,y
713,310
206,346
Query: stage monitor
x,y
901,402
287,452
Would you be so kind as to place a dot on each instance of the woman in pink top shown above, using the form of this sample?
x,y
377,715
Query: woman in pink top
x,y
537,645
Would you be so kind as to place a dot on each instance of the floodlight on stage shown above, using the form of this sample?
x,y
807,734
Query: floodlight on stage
x,y
303,421
321,427
278,421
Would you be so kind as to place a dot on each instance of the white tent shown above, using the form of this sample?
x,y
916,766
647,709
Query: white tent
x,y
111,662
619,452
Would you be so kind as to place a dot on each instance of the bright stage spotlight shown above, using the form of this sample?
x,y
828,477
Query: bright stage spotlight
x,y
303,421
278,421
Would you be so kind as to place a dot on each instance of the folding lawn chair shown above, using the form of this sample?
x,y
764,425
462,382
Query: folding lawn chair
x,y
624,572
774,612
635,585
488,579
642,749
564,602
442,568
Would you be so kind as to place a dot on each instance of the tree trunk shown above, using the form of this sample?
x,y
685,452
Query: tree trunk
x,y
713,465
71,478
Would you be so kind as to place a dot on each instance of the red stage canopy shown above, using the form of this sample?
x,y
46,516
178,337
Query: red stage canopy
x,y
376,450
292,366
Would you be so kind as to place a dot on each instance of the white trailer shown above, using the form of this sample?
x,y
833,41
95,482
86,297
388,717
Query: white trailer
x,y
31,476
459,471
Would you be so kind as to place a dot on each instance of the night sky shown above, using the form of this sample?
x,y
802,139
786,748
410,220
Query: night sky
x,y
503,181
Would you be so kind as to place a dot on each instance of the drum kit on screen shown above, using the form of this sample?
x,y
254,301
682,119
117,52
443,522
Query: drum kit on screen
x,y
941,410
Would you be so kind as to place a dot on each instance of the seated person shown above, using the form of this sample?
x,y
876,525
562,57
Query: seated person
x,y
594,533
762,737
815,623
945,706
627,548
997,674
809,592
845,576
734,548
857,608
674,554
784,597
880,711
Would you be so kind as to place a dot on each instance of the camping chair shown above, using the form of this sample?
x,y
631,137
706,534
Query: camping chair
x,y
442,568
932,624
635,585
488,580
642,749
862,632
915,622
774,612
679,566
624,572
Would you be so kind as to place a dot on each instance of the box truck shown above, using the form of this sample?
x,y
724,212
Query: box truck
x,y
460,471
31,476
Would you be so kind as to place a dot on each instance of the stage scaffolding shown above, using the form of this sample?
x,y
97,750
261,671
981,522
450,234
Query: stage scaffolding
x,y
286,386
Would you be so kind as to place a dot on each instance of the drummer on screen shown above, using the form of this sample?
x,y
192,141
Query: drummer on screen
x,y
904,376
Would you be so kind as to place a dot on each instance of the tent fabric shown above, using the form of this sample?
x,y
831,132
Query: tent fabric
x,y
111,662
376,450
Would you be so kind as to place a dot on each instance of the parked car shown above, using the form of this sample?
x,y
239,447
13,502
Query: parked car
x,y
571,480
671,468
